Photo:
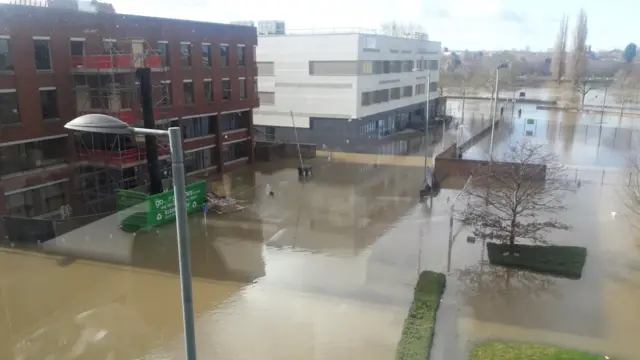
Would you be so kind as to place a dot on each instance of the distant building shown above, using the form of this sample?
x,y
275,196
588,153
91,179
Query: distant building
x,y
343,87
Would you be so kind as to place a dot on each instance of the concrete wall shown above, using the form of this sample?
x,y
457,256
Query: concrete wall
x,y
269,151
298,91
448,165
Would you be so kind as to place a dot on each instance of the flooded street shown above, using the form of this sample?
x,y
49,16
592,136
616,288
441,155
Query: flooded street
x,y
325,270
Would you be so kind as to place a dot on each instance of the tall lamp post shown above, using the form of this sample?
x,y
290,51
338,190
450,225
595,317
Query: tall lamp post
x,y
99,123
426,123
495,108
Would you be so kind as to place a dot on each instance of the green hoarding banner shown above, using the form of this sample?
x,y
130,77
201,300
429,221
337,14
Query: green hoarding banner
x,y
162,207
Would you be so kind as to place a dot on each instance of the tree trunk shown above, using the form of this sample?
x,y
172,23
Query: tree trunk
x,y
582,102
512,236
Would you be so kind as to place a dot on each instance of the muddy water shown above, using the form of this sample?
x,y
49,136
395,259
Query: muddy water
x,y
311,272
597,313
320,270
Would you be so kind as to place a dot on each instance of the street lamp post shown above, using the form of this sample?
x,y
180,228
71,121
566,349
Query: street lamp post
x,y
99,123
495,108
426,123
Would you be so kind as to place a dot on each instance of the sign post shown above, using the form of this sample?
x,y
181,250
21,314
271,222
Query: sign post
x,y
205,209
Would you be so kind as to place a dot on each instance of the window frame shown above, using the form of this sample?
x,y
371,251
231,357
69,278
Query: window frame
x,y
226,93
36,41
186,60
187,83
224,58
56,108
241,54
16,111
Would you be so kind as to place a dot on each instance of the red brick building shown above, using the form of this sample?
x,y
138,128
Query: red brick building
x,y
57,64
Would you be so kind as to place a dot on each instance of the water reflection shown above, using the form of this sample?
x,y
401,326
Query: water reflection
x,y
119,292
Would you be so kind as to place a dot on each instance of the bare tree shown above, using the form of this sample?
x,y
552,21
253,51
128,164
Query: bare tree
x,y
631,193
582,87
578,64
508,203
394,28
627,81
559,60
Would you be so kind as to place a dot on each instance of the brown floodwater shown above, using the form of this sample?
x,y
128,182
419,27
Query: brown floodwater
x,y
321,270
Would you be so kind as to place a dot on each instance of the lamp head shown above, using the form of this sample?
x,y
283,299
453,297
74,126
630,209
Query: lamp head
x,y
98,123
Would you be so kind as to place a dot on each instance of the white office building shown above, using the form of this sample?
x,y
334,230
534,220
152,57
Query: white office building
x,y
343,87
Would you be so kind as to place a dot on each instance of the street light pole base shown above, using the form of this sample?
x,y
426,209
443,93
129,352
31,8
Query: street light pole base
x,y
304,171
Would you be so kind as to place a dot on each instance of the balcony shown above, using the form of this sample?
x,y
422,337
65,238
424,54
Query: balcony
x,y
130,116
112,63
122,158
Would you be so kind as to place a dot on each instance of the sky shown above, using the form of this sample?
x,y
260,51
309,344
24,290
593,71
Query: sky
x,y
458,24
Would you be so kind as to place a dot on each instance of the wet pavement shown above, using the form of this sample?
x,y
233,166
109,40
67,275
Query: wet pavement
x,y
321,270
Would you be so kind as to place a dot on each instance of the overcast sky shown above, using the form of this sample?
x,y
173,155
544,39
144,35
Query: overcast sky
x,y
458,24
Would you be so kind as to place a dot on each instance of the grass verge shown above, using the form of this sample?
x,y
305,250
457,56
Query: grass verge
x,y
417,333
515,351
565,261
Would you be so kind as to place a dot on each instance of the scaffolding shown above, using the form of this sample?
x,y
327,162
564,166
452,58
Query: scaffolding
x,y
107,84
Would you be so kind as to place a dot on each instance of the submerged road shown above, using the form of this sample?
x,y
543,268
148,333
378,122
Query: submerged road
x,y
321,270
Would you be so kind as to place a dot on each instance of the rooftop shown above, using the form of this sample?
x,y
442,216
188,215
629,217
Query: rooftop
x,y
347,31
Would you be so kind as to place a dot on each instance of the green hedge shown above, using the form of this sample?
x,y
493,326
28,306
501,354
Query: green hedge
x,y
417,334
566,261
514,351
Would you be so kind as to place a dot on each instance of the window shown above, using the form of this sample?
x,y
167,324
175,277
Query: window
x,y
163,51
433,86
333,67
395,93
234,121
234,151
367,67
198,127
267,98
109,47
77,48
265,68
224,55
407,91
420,89
433,65
198,160
187,90
366,98
386,67
208,91
369,43
185,55
42,54
226,89
9,108
166,94
407,66
377,67
396,66
241,56
206,55
380,96
31,155
243,88
5,55
270,133
49,104
37,202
